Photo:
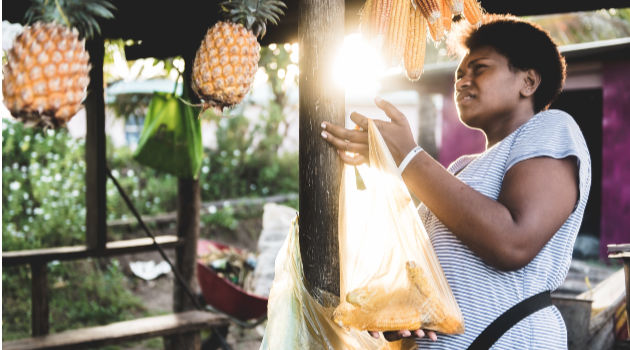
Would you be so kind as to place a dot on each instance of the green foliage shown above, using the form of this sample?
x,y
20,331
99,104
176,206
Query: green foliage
x,y
254,14
43,188
80,14
246,162
103,294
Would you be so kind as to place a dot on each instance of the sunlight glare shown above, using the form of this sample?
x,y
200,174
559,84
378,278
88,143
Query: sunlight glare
x,y
358,67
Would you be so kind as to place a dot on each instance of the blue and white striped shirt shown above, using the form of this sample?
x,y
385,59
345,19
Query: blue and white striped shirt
x,y
484,292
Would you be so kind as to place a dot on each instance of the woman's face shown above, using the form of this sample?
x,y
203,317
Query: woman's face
x,y
486,89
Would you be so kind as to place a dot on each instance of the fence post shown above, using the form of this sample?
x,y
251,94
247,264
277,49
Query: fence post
x,y
39,298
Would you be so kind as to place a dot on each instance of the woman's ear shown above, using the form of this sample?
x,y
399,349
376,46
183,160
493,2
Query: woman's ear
x,y
531,83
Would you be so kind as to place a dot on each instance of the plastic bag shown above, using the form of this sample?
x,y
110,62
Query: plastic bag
x,y
171,137
391,278
297,321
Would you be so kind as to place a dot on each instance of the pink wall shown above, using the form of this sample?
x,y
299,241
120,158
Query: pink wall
x,y
615,222
457,139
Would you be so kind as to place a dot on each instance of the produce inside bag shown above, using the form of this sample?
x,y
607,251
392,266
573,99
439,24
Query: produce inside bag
x,y
390,277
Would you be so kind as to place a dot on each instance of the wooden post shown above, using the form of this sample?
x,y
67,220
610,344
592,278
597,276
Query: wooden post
x,y
95,150
39,298
320,31
188,204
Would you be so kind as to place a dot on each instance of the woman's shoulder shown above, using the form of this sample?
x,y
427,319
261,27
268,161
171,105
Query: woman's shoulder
x,y
550,127
551,133
551,120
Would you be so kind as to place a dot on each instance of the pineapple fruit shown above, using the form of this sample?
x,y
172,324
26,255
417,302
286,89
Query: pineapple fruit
x,y
47,73
227,59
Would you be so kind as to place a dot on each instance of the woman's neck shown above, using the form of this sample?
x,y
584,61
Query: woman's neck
x,y
505,125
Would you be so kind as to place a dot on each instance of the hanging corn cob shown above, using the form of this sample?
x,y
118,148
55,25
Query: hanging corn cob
x,y
416,46
472,12
430,9
382,15
367,19
447,14
400,27
456,6
397,31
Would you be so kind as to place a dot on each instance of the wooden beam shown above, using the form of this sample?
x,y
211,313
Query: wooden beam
x,y
320,32
95,150
120,332
39,298
165,218
22,257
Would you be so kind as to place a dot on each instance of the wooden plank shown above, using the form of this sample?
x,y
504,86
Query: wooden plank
x,y
320,32
95,150
120,332
39,298
619,248
22,257
606,297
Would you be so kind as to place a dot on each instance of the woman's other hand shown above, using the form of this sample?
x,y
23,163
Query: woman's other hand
x,y
405,333
352,145
396,133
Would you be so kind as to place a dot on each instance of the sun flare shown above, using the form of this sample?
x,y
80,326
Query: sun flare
x,y
358,67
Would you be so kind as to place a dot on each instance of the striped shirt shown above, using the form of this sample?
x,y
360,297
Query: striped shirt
x,y
484,292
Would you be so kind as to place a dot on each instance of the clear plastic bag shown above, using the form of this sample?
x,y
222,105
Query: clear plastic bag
x,y
297,321
391,278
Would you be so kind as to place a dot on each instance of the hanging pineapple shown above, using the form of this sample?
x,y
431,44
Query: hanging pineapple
x,y
46,76
227,60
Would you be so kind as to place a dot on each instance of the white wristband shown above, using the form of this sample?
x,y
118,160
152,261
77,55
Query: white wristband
x,y
408,159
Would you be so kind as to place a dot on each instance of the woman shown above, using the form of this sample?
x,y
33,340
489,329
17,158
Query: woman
x,y
502,222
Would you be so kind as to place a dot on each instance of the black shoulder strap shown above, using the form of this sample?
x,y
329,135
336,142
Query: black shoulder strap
x,y
503,323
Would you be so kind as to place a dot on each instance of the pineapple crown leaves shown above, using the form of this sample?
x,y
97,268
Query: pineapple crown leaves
x,y
79,14
254,14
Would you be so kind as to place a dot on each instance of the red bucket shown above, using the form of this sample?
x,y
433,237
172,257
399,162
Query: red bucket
x,y
224,295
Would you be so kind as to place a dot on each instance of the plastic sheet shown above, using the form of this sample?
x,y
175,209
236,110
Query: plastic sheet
x,y
391,278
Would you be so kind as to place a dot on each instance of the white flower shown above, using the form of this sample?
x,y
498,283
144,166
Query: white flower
x,y
9,32
14,186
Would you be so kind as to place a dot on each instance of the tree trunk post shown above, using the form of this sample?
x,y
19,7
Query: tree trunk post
x,y
320,31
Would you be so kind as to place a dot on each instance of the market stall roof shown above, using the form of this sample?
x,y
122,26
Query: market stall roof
x,y
163,28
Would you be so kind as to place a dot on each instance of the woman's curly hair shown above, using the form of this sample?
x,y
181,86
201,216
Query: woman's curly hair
x,y
526,46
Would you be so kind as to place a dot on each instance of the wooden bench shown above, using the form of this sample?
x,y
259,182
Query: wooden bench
x,y
120,332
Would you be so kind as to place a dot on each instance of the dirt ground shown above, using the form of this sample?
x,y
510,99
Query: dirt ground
x,y
157,294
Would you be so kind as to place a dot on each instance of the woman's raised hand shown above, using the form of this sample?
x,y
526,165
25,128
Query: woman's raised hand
x,y
396,133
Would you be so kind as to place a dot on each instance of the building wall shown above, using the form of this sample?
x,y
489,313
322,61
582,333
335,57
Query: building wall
x,y
615,221
457,139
